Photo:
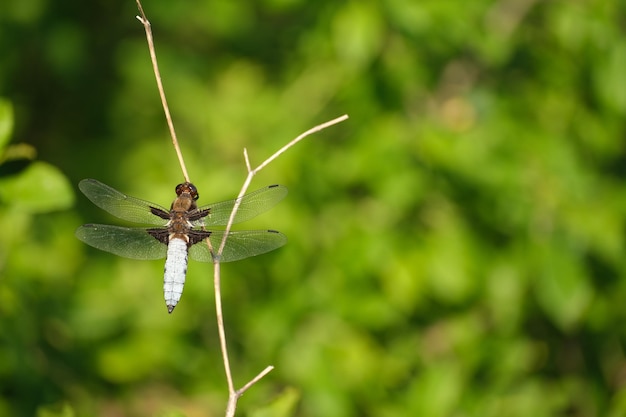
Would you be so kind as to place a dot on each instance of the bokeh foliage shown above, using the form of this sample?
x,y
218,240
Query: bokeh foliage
x,y
456,247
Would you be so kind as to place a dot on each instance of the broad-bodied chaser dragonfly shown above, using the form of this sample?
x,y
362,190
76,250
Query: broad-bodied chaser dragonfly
x,y
182,230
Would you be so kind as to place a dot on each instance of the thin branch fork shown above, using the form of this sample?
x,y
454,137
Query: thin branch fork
x,y
253,172
234,395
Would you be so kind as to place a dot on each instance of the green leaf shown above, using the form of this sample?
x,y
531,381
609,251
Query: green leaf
x,y
38,189
6,122
563,287
57,410
282,406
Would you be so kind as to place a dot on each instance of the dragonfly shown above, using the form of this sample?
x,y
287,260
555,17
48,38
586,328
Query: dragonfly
x,y
181,231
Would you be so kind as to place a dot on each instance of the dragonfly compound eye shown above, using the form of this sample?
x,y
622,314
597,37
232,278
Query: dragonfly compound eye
x,y
193,191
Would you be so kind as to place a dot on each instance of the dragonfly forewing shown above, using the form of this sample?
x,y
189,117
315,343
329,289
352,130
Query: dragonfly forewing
x,y
134,243
240,244
251,205
121,205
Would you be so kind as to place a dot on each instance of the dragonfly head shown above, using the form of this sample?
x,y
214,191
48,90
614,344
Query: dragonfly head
x,y
187,188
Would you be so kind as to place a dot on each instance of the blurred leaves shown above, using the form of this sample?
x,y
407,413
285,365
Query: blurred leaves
x,y
283,405
6,122
27,266
455,248
39,188
63,410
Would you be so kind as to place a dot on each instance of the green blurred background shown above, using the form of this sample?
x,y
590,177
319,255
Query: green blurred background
x,y
456,248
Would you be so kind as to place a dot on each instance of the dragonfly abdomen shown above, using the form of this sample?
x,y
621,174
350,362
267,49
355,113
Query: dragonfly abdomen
x,y
175,272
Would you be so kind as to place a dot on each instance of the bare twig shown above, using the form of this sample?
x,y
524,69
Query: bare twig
x,y
146,24
233,395
254,380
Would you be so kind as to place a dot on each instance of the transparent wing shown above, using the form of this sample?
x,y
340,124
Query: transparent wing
x,y
121,205
239,245
252,205
128,242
